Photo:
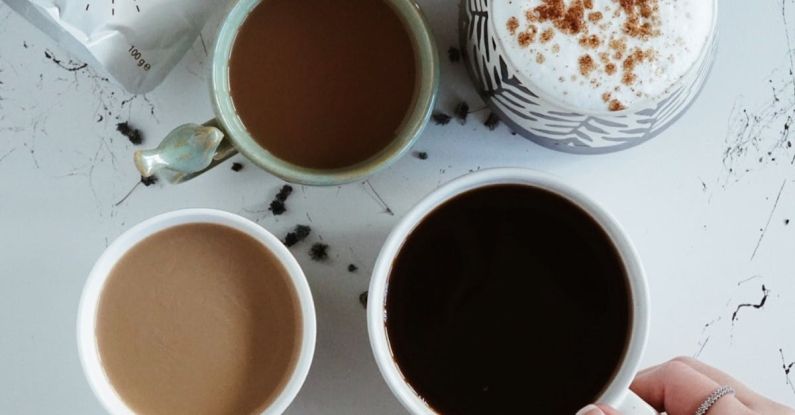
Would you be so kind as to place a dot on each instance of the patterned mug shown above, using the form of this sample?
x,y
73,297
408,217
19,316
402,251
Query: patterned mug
x,y
531,113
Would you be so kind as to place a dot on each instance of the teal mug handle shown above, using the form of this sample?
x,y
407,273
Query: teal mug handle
x,y
186,152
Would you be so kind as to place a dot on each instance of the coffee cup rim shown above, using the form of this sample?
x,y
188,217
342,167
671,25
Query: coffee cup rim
x,y
88,351
416,121
618,387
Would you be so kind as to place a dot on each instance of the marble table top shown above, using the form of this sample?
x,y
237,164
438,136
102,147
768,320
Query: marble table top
x,y
708,205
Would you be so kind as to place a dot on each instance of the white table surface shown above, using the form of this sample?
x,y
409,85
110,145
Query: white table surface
x,y
706,204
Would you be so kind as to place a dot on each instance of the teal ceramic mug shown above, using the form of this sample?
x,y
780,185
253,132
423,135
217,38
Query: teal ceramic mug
x,y
192,149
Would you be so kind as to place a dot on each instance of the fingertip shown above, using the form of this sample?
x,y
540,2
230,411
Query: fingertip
x,y
608,410
597,410
590,410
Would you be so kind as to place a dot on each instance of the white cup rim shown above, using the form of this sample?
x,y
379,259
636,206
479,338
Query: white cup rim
x,y
618,389
89,302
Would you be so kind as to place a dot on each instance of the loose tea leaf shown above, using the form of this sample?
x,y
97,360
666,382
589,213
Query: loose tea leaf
x,y
284,193
302,231
440,118
319,252
492,121
363,299
421,155
132,134
462,112
278,206
148,181
298,234
237,166
352,268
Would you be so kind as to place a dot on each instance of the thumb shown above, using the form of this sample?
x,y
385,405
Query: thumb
x,y
597,410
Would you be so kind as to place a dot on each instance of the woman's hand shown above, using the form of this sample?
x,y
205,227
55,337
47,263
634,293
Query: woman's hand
x,y
680,386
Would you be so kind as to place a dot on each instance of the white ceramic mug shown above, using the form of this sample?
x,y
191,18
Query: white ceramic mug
x,y
617,393
89,303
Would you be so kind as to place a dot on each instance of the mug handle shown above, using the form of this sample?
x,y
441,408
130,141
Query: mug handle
x,y
633,405
186,152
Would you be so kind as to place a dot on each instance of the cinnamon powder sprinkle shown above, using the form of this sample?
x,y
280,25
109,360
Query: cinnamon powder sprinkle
x,y
547,35
618,45
594,17
646,10
628,78
615,105
629,63
569,19
531,15
513,24
637,56
642,18
574,19
528,36
591,41
586,65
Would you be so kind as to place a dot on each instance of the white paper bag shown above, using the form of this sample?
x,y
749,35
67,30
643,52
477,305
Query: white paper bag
x,y
137,42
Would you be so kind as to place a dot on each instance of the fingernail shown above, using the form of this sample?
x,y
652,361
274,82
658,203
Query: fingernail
x,y
590,410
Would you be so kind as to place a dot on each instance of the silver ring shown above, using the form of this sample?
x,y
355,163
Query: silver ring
x,y
713,398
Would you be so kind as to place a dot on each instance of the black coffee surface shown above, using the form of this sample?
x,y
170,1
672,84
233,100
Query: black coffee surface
x,y
508,300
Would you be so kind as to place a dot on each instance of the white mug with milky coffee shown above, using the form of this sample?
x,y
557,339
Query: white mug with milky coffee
x,y
616,393
589,76
87,321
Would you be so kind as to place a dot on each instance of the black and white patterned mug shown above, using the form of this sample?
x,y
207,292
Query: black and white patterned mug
x,y
589,76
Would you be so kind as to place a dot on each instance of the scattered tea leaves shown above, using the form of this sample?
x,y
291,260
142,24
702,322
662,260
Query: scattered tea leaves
x,y
422,155
352,268
237,166
363,299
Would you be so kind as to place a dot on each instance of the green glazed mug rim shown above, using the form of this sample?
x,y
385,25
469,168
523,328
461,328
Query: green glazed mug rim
x,y
412,127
